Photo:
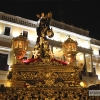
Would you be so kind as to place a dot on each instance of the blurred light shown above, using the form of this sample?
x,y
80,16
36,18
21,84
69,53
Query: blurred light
x,y
8,84
10,68
82,84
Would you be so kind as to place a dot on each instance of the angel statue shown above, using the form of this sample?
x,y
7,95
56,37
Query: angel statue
x,y
44,30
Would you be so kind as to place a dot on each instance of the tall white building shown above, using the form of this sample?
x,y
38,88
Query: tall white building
x,y
88,58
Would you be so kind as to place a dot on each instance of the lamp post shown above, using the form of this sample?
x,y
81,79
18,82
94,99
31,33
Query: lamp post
x,y
70,50
19,46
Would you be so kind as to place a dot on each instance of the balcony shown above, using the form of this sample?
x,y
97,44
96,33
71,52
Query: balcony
x,y
70,28
18,20
95,41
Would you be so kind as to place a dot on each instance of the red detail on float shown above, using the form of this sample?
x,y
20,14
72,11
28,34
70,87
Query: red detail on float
x,y
59,61
28,61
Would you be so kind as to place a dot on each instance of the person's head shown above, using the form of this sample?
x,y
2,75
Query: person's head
x,y
42,14
50,15
38,16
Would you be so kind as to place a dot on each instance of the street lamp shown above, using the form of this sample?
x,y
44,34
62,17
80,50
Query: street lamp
x,y
70,50
19,46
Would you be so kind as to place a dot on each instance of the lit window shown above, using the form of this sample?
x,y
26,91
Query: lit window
x,y
7,30
25,34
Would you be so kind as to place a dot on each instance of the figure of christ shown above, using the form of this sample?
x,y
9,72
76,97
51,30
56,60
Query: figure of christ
x,y
42,31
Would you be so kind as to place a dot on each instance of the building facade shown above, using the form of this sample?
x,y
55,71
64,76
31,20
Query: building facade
x,y
88,58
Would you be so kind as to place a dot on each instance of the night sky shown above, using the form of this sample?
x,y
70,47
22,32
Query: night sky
x,y
80,13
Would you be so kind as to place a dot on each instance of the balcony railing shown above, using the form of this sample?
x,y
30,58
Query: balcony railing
x,y
95,41
30,23
18,20
67,27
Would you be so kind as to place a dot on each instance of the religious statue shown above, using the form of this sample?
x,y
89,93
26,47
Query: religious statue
x,y
43,30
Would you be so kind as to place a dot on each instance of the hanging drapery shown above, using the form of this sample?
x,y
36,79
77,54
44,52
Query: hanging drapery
x,y
80,59
88,64
97,68
84,70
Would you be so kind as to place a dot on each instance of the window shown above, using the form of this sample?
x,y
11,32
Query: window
x,y
99,52
25,34
7,30
3,62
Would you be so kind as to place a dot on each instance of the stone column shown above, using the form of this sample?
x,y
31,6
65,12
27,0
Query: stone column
x,y
10,58
85,64
89,63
